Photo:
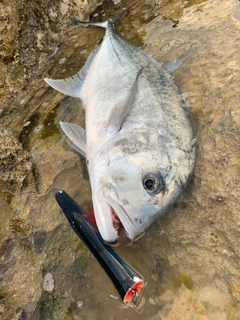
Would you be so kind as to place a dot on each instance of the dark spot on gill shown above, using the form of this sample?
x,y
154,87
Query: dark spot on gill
x,y
138,220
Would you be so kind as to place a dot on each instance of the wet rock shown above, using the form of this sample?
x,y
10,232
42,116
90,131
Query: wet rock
x,y
167,296
19,225
30,33
15,163
235,288
39,239
48,282
79,304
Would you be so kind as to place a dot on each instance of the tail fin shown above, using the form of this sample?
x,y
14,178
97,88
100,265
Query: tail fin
x,y
103,24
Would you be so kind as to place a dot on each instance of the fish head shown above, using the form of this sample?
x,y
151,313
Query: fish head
x,y
135,178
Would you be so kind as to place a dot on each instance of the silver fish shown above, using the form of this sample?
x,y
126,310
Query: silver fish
x,y
139,141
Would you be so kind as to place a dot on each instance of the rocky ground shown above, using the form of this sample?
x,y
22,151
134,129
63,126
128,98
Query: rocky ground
x,y
190,257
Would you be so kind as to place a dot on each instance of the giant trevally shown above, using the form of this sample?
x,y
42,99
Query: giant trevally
x,y
139,141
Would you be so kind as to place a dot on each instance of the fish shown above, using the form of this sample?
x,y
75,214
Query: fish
x,y
127,282
138,140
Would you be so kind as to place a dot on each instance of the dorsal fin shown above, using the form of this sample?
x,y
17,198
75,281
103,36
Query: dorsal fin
x,y
72,86
77,135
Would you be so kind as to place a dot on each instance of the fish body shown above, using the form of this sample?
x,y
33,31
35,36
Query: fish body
x,y
139,140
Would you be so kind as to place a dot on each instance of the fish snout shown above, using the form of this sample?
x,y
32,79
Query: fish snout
x,y
111,217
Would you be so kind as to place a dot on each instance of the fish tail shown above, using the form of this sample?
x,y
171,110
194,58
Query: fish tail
x,y
103,24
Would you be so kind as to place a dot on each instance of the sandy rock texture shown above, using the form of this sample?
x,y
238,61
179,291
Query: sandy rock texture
x,y
15,163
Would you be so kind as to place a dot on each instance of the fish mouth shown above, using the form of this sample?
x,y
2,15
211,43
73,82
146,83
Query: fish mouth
x,y
120,221
117,224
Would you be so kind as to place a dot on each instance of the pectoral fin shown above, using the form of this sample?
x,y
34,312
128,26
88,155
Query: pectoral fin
x,y
119,113
171,67
77,135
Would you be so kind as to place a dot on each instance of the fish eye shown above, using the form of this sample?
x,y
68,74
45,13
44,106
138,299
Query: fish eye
x,y
153,183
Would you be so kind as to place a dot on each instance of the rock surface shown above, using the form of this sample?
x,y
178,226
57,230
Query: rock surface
x,y
15,163
190,257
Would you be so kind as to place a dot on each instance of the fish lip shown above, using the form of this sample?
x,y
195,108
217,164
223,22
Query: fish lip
x,y
124,218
